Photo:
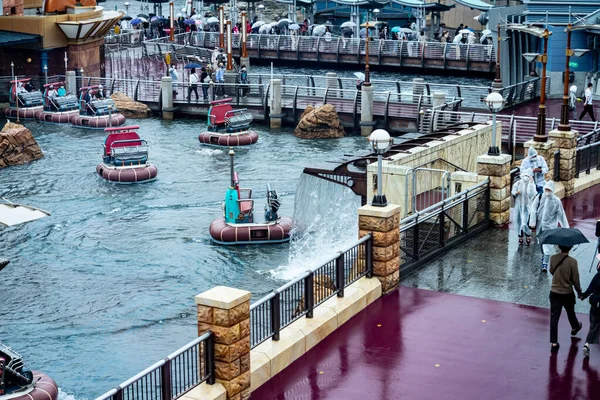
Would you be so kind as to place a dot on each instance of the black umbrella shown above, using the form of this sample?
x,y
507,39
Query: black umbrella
x,y
143,16
126,18
562,237
192,65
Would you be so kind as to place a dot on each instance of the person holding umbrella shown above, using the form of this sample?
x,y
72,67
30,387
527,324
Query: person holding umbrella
x,y
547,211
565,277
593,292
524,193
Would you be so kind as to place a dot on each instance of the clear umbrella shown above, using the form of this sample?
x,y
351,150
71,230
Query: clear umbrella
x,y
258,24
319,30
212,20
284,22
348,24
294,27
266,28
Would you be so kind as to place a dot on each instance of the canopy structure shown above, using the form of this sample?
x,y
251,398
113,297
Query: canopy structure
x,y
532,30
8,38
15,214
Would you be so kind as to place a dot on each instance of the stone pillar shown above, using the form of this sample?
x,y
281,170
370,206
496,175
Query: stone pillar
x,y
166,86
245,61
384,224
439,99
230,77
226,312
418,88
366,110
544,149
331,82
566,142
71,82
275,116
497,169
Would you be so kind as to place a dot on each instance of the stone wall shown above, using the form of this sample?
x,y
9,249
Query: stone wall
x,y
7,6
87,56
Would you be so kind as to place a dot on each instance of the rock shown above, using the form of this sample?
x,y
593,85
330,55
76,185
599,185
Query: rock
x,y
320,123
17,145
130,108
323,287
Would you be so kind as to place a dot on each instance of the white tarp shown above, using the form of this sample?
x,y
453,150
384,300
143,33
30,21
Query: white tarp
x,y
14,214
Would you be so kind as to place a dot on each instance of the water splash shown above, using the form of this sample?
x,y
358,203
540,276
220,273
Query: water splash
x,y
325,221
65,396
209,152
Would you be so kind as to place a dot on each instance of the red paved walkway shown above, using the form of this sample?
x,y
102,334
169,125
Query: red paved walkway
x,y
553,107
419,344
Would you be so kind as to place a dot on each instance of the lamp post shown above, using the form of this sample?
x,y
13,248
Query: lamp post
x,y
244,35
495,102
564,125
376,13
81,74
381,142
172,21
260,11
126,4
12,71
66,67
497,84
540,132
221,27
46,72
367,81
229,47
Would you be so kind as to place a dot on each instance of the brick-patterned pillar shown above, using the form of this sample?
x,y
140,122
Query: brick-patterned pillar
x,y
566,142
384,224
546,150
226,312
497,169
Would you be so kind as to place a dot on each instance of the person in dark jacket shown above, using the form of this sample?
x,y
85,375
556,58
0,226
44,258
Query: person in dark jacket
x,y
593,292
565,277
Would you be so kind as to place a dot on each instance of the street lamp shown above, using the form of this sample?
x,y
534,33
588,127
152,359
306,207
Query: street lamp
x,y
229,47
564,125
126,4
540,132
381,142
221,27
495,102
171,21
376,13
260,11
46,72
66,67
244,33
367,81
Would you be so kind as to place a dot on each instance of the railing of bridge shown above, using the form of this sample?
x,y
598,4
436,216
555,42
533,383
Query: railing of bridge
x,y
427,233
590,137
300,296
171,377
588,157
516,129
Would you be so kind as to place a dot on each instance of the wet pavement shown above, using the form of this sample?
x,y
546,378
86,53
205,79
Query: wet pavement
x,y
472,324
553,107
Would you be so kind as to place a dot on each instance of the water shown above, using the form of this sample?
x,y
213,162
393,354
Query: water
x,y
104,287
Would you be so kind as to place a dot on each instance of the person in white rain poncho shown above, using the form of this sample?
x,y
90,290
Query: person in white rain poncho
x,y
548,212
524,192
539,167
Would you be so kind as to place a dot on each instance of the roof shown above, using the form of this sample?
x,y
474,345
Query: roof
x,y
475,4
14,214
9,38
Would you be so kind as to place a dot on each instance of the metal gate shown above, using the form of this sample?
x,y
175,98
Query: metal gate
x,y
425,187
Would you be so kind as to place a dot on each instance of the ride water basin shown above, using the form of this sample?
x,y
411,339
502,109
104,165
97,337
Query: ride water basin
x,y
105,286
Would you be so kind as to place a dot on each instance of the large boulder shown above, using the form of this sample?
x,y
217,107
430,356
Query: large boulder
x,y
320,123
130,108
17,145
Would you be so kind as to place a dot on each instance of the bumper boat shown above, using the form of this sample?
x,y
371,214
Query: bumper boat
x,y
20,383
237,226
125,158
96,112
60,106
228,127
23,104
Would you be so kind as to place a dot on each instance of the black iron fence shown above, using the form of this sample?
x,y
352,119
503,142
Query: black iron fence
x,y
429,232
171,377
588,157
556,172
300,296
590,137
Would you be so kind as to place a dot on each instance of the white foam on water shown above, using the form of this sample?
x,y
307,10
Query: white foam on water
x,y
65,396
325,222
114,210
209,152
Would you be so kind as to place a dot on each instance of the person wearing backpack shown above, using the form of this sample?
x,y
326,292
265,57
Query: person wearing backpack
x,y
565,277
193,85
593,292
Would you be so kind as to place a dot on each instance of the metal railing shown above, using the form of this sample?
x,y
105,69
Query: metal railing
x,y
556,172
588,157
300,296
431,231
173,376
590,137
